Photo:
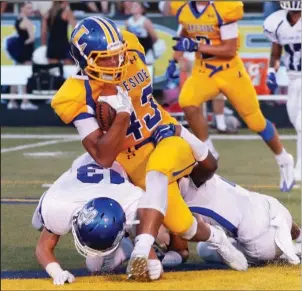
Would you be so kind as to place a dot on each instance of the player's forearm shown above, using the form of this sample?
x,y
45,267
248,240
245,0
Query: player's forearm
x,y
45,255
108,146
275,57
177,55
223,50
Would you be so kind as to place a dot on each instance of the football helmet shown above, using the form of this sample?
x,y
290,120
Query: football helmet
x,y
94,40
99,227
291,5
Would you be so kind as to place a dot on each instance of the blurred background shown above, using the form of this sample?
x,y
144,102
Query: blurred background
x,y
35,58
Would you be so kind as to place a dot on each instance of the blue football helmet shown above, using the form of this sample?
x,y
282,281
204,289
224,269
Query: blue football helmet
x,y
291,5
95,39
99,227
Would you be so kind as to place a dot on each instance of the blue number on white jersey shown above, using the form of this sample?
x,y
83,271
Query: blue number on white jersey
x,y
93,174
294,56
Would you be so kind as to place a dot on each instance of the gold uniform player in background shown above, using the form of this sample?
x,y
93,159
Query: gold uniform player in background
x,y
113,62
210,29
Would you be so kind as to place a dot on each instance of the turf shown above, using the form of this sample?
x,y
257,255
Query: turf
x,y
248,163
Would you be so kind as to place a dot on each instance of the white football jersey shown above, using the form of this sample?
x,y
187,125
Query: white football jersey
x,y
84,181
279,30
243,214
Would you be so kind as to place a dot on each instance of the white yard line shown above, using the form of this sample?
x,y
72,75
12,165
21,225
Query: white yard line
x,y
76,137
35,145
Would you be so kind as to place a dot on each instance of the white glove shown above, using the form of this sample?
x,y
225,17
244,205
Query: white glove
x,y
155,269
121,102
62,277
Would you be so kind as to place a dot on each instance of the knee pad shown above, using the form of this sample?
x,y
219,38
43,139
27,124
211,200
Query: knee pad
x,y
189,233
255,121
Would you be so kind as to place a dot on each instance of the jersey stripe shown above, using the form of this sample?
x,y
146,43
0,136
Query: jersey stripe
x,y
218,218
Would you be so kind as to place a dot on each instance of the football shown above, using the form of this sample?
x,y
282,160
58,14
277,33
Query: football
x,y
105,114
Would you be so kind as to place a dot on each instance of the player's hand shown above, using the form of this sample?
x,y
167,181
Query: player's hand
x,y
155,269
185,44
63,277
121,102
172,71
162,132
271,80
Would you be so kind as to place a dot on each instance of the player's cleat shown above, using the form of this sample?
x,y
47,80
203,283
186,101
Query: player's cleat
x,y
230,255
287,174
137,268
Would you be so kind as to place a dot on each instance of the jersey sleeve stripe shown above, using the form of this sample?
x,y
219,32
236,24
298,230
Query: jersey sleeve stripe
x,y
220,21
218,218
179,11
140,54
89,99
82,116
276,32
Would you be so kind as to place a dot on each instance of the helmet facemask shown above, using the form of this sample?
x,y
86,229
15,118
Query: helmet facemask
x,y
112,75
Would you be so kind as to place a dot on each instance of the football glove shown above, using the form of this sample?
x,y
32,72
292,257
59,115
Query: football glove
x,y
271,80
172,71
162,132
185,44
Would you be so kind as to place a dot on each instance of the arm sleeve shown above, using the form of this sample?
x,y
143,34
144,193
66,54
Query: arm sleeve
x,y
86,126
229,31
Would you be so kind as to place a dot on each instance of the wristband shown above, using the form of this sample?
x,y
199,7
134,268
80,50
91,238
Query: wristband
x,y
53,269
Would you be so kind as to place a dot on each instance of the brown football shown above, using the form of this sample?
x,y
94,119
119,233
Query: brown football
x,y
105,114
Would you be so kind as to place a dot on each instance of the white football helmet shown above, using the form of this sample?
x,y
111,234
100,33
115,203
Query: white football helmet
x,y
291,5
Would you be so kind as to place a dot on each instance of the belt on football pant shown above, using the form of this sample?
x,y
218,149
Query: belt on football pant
x,y
216,69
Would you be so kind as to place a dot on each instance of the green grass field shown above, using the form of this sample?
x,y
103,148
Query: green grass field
x,y
248,163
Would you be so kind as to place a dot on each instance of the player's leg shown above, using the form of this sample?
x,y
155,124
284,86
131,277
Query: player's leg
x,y
198,89
165,165
294,112
244,98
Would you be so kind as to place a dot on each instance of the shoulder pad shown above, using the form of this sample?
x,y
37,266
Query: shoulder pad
x,y
133,42
271,24
175,6
70,99
230,11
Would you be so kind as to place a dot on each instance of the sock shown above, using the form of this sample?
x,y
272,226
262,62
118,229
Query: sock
x,y
282,157
143,244
216,235
220,122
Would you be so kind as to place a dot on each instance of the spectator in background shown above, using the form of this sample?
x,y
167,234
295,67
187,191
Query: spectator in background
x,y
270,7
25,46
3,6
55,32
41,7
143,28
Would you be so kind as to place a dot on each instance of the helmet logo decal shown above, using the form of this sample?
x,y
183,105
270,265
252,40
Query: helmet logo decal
x,y
83,30
87,215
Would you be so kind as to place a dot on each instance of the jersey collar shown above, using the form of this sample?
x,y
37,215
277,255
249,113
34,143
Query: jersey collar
x,y
192,5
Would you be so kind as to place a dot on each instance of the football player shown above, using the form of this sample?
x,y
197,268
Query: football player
x,y
258,225
99,206
172,73
210,30
283,29
108,58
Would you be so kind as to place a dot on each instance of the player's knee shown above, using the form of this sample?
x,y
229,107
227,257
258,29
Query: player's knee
x,y
190,230
255,121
